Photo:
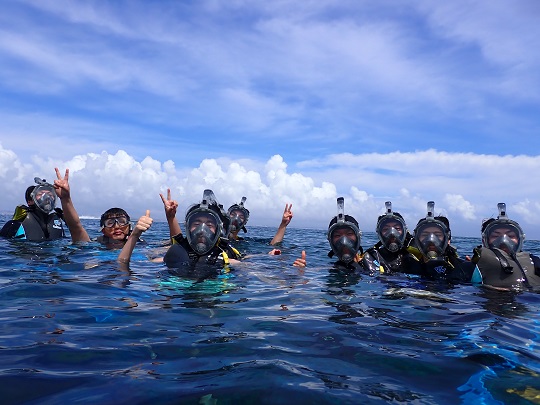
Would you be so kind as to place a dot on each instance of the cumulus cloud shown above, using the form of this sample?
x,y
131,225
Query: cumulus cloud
x,y
100,181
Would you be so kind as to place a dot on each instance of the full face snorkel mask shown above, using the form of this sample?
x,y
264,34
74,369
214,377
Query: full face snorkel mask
x,y
343,234
391,229
431,235
239,216
204,226
44,196
504,233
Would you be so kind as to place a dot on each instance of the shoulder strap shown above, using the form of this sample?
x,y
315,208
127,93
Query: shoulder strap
x,y
20,213
507,268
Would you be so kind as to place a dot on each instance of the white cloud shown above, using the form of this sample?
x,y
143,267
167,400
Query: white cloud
x,y
100,181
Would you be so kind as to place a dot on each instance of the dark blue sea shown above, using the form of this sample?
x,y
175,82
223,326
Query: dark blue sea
x,y
75,328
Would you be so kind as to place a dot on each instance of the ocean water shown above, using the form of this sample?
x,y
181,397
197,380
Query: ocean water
x,y
76,328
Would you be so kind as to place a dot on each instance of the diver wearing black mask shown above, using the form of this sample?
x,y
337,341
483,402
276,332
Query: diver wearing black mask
x,y
205,241
501,263
436,258
39,220
390,253
239,216
344,237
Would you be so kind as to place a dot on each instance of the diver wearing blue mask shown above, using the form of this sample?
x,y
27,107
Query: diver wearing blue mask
x,y
40,220
390,253
204,242
501,263
344,237
436,259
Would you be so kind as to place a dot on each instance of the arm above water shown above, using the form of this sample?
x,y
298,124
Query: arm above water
x,y
170,206
285,221
144,223
76,229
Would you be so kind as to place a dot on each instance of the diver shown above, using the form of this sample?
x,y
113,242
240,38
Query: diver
x,y
435,258
39,220
390,253
239,216
344,237
204,243
117,230
501,263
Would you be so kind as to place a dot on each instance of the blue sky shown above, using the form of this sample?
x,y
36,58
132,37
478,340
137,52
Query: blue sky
x,y
280,101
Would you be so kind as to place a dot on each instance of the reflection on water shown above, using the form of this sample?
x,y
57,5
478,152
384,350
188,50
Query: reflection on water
x,y
78,328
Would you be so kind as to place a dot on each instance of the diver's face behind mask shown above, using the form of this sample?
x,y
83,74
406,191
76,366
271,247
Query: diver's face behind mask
x,y
432,238
44,198
391,233
238,219
202,231
506,237
344,242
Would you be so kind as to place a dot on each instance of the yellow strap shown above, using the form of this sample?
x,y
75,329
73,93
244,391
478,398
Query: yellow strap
x,y
20,213
225,257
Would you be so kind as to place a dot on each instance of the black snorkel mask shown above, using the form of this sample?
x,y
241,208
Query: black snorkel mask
x,y
238,215
391,229
44,196
344,235
506,232
432,236
204,224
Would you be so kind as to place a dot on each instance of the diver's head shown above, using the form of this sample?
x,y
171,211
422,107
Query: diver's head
x,y
28,195
391,229
43,195
344,235
432,235
239,216
115,224
502,233
204,224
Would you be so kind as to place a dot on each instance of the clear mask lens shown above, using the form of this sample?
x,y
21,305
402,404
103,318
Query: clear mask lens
x,y
505,243
237,220
45,198
203,232
432,240
110,222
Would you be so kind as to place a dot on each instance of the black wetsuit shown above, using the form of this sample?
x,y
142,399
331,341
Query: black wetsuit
x,y
35,226
181,254
378,259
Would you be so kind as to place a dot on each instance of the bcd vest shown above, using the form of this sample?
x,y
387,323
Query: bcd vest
x,y
499,269
37,230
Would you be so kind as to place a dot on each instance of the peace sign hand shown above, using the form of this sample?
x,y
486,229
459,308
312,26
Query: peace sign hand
x,y
61,185
169,204
287,215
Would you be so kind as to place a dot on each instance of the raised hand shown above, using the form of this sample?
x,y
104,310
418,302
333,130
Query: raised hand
x,y
61,185
285,220
169,204
287,215
301,262
144,223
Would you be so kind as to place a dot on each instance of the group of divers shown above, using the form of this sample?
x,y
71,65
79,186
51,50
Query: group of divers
x,y
211,231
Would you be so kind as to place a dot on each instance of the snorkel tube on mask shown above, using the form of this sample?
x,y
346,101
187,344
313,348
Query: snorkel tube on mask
x,y
431,235
239,216
204,225
504,233
344,235
391,229
44,196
